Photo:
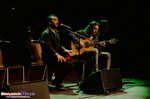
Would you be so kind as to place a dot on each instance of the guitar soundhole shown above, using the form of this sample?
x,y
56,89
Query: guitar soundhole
x,y
77,46
86,44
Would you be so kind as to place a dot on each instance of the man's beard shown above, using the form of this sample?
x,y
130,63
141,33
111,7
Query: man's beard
x,y
53,26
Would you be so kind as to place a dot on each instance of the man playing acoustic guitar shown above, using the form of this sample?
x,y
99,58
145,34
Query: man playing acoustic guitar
x,y
89,46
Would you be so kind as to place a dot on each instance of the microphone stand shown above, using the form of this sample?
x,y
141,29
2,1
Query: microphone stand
x,y
29,31
29,47
79,59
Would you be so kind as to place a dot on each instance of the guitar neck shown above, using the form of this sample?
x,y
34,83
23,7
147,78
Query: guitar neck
x,y
106,41
92,44
95,43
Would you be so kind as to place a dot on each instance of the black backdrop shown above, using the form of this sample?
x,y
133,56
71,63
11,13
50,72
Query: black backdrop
x,y
127,21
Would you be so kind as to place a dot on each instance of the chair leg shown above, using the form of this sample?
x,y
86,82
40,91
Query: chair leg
x,y
23,74
45,71
3,78
84,63
7,76
29,74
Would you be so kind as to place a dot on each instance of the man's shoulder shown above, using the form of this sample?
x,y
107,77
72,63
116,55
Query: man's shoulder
x,y
81,31
45,31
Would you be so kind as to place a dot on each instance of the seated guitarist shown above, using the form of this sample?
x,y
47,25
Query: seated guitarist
x,y
91,31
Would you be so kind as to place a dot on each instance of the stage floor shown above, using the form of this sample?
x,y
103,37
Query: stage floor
x,y
132,89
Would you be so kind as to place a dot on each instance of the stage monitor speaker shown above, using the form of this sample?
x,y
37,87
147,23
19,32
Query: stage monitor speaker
x,y
102,80
30,90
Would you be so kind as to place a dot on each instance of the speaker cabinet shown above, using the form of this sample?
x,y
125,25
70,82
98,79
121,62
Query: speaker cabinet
x,y
102,80
33,90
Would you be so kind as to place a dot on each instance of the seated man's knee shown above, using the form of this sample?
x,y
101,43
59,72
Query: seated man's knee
x,y
108,55
69,65
95,50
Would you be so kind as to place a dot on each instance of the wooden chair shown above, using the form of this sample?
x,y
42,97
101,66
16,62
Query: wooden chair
x,y
76,60
36,55
6,69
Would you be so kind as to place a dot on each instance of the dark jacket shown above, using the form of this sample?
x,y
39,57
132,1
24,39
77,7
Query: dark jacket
x,y
51,46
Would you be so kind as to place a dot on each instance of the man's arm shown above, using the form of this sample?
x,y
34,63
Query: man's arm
x,y
74,38
59,57
70,52
47,40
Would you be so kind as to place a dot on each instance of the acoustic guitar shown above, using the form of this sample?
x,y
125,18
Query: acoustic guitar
x,y
89,44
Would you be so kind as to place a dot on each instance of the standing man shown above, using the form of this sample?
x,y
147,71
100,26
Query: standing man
x,y
51,52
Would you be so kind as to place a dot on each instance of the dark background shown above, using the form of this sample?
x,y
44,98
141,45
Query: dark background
x,y
127,21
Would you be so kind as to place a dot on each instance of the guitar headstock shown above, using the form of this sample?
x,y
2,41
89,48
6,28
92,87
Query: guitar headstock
x,y
113,41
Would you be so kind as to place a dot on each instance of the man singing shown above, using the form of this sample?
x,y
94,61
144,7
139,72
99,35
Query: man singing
x,y
51,52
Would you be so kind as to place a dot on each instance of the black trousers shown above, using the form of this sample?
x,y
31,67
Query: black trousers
x,y
63,69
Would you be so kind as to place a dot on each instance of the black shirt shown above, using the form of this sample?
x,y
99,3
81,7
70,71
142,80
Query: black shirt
x,y
52,44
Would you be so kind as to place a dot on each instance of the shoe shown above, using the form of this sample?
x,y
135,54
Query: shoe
x,y
60,88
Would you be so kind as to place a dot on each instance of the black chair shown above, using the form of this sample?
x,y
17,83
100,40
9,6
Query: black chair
x,y
7,68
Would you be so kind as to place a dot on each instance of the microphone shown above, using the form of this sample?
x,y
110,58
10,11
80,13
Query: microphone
x,y
65,26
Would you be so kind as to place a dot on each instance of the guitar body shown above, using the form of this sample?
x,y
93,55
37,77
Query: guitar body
x,y
89,44
76,49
